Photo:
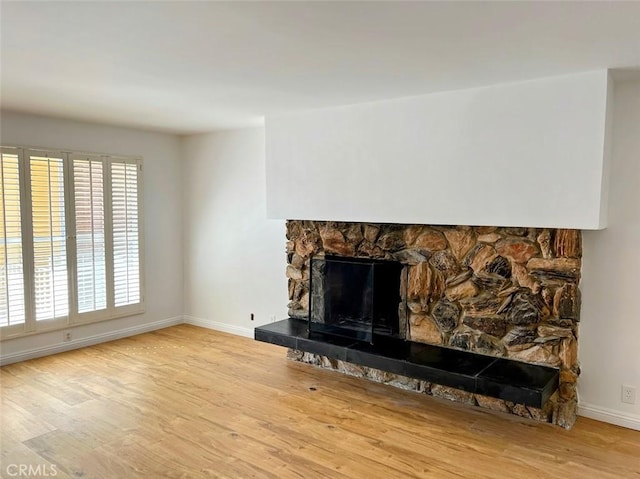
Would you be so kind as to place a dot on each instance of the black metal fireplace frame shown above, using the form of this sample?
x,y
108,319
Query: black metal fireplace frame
x,y
394,324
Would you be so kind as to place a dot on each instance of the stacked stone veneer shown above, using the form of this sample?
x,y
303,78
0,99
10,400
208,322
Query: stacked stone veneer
x,y
510,292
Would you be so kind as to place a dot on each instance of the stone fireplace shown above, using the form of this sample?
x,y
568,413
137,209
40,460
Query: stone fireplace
x,y
498,291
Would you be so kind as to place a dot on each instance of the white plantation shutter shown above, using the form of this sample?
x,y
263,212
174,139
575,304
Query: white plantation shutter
x,y
89,202
49,236
12,304
70,250
126,232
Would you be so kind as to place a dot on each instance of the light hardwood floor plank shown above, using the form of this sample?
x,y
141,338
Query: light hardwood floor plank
x,y
187,402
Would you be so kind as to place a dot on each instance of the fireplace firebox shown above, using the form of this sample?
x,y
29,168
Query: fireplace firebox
x,y
357,298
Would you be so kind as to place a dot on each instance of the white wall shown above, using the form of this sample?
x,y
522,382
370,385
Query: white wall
x,y
610,326
234,256
162,220
448,158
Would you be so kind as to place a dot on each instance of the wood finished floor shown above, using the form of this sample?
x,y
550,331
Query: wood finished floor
x,y
189,402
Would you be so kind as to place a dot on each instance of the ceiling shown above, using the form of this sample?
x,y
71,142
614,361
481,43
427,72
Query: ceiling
x,y
187,67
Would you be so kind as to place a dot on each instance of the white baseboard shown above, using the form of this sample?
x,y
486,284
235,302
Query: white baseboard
x,y
224,327
610,416
89,341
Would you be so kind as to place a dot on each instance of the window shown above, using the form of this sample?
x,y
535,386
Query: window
x,y
70,250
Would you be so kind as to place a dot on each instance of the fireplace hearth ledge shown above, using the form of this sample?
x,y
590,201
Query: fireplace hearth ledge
x,y
506,379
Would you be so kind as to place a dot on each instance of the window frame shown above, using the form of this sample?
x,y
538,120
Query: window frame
x,y
31,326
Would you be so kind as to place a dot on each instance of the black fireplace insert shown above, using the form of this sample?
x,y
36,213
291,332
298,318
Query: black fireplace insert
x,y
357,298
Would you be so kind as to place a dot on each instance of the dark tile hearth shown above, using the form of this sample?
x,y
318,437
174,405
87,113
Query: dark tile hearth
x,y
506,379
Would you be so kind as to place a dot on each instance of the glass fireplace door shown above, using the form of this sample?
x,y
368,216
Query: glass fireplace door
x,y
355,298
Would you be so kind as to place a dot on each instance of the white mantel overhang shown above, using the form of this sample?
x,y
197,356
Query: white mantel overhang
x,y
530,154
